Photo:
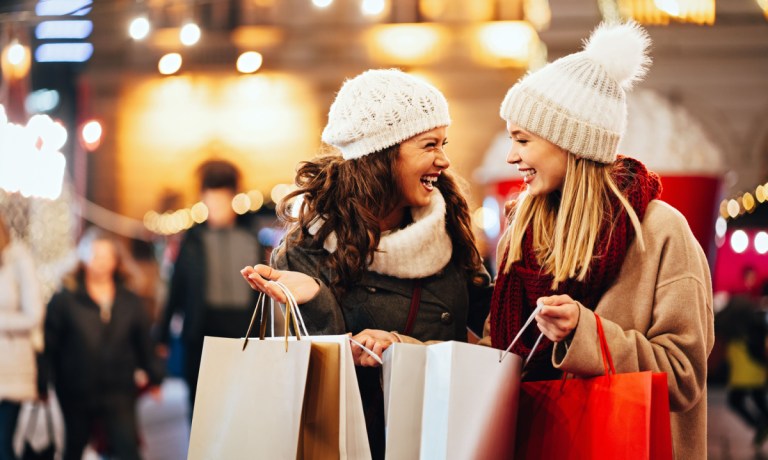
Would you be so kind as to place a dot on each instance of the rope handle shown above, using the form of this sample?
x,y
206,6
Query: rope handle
x,y
539,306
367,350
604,351
292,315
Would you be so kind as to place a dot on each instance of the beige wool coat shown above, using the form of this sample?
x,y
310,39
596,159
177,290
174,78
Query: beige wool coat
x,y
21,316
657,317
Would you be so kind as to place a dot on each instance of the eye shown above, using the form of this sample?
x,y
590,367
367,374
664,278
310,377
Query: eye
x,y
521,141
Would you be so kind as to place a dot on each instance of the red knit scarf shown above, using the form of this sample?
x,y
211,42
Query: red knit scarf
x,y
516,292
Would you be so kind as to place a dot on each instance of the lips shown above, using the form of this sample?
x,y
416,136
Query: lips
x,y
528,174
429,180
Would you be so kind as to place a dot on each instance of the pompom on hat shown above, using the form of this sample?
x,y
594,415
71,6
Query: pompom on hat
x,y
381,108
578,102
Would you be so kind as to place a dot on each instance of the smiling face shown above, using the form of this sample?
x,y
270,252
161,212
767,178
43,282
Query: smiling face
x,y
420,162
541,163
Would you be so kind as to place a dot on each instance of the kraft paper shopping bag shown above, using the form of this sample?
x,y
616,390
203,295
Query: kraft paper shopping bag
x,y
352,441
353,436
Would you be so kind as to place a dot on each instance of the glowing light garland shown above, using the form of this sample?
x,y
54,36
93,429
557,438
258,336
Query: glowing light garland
x,y
30,161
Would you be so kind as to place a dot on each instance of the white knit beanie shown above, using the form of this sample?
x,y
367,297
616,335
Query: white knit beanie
x,y
381,108
578,102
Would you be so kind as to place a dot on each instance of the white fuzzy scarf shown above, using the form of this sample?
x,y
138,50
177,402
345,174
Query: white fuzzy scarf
x,y
421,249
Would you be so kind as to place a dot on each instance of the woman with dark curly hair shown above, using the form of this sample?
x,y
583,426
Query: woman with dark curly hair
x,y
382,245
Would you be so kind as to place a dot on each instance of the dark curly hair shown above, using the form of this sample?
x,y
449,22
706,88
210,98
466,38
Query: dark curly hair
x,y
352,196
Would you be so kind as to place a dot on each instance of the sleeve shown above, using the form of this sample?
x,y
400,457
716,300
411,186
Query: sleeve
x,y
678,339
55,330
147,359
323,314
480,290
29,316
177,292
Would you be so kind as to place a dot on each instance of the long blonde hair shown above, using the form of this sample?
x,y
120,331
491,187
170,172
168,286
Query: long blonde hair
x,y
566,225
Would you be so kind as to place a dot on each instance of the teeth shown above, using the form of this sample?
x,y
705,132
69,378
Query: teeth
x,y
528,173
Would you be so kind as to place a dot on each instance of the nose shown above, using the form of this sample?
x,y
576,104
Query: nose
x,y
512,156
441,159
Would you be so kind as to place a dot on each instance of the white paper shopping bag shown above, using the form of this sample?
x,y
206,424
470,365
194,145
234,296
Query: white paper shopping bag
x,y
403,382
249,401
470,402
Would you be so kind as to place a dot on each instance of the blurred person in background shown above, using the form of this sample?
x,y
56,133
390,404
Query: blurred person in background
x,y
205,287
97,336
741,325
21,316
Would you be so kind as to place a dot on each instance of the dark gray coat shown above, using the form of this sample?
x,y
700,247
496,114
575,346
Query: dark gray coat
x,y
451,299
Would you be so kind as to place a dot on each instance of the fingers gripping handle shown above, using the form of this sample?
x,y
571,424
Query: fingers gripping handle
x,y
292,315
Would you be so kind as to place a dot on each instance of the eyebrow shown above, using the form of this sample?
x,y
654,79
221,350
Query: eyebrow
x,y
429,137
518,131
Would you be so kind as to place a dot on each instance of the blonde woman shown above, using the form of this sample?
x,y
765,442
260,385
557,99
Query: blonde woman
x,y
589,234
21,315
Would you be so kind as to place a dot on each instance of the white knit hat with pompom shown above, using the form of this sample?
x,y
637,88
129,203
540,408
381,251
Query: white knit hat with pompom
x,y
578,102
380,108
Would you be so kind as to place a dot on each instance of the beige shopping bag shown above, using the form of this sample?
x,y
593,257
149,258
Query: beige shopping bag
x,y
470,402
250,399
249,402
333,424
403,382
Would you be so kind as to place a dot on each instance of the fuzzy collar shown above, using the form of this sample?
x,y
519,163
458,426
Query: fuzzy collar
x,y
421,249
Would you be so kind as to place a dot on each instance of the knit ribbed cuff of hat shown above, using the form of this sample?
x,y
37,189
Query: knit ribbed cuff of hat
x,y
535,113
394,134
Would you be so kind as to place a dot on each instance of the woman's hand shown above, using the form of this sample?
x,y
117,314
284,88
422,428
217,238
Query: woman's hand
x,y
303,287
558,318
375,340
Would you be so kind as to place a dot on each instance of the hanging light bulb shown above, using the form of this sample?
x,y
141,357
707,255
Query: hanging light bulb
x,y
169,64
249,62
373,7
139,28
190,34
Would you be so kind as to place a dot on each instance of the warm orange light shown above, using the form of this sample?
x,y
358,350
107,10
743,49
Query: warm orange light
x,y
406,44
660,12
15,60
90,134
506,44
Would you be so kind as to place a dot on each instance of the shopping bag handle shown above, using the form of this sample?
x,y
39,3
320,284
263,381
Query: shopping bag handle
x,y
604,351
367,350
292,315
539,306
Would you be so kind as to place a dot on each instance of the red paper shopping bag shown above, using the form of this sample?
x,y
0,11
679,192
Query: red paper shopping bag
x,y
608,417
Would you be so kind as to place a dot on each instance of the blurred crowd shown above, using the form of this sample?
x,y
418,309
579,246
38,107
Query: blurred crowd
x,y
114,329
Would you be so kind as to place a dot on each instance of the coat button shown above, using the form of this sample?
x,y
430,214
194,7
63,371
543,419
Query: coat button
x,y
371,289
446,318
